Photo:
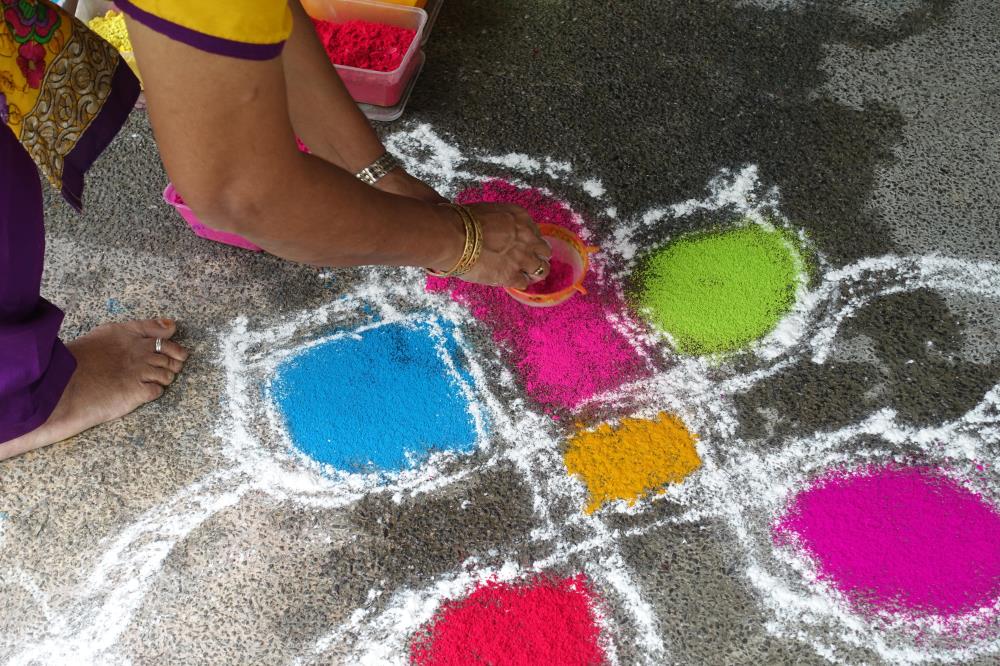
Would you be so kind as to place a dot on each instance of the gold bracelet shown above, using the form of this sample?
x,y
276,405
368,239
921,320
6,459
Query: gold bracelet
x,y
477,245
472,248
477,248
470,258
469,249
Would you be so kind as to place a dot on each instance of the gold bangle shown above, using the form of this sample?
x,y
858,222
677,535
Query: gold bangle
x,y
475,230
472,248
470,240
477,246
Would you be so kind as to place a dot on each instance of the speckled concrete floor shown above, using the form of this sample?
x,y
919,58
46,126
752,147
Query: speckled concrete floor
x,y
879,128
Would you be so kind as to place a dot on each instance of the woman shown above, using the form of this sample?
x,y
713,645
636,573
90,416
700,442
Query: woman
x,y
228,85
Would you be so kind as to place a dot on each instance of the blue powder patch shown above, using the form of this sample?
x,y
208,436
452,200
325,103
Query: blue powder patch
x,y
116,307
382,400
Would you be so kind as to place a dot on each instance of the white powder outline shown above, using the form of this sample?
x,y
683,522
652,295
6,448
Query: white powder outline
x,y
126,570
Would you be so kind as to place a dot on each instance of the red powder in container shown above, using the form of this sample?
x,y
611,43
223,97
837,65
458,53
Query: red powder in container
x,y
365,45
560,276
566,354
545,621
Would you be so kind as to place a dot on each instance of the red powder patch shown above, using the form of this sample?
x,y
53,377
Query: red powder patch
x,y
560,276
545,621
564,354
364,45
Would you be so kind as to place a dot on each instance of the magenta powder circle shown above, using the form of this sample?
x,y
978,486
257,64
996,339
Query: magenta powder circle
x,y
901,539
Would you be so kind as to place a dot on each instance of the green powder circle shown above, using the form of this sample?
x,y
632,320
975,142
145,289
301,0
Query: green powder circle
x,y
719,291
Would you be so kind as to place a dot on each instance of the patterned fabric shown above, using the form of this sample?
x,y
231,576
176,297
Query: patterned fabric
x,y
64,92
249,29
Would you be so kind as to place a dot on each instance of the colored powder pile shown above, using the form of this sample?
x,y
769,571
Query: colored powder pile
x,y
716,292
381,399
898,539
111,28
632,460
560,276
365,45
544,621
566,354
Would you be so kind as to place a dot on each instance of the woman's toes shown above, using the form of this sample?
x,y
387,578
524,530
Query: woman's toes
x,y
173,350
164,361
152,391
155,328
161,376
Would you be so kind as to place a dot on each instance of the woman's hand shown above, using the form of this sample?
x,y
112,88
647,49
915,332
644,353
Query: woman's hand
x,y
514,254
399,182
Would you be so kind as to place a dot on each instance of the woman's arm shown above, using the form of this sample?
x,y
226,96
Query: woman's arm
x,y
223,128
327,119
322,111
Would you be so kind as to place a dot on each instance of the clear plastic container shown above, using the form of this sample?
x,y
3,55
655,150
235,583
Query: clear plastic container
x,y
365,85
386,114
433,8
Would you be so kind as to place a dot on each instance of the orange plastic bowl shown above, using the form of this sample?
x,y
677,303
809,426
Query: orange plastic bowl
x,y
567,247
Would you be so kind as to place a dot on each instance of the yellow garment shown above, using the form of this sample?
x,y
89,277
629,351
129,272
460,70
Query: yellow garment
x,y
22,96
63,91
246,22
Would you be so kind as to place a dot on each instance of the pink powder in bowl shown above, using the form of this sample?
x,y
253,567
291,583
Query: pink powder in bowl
x,y
898,539
560,277
566,354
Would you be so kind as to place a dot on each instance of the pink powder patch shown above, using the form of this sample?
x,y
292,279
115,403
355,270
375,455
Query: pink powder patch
x,y
546,621
564,354
560,276
900,539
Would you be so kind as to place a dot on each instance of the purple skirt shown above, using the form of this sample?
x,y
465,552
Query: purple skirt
x,y
69,96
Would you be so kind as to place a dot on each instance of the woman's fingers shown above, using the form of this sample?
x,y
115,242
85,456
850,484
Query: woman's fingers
x,y
519,280
542,250
534,267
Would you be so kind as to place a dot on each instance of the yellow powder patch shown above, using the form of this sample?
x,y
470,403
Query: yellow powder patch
x,y
634,459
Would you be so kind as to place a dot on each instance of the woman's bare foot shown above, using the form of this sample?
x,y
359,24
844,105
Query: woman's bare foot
x,y
117,370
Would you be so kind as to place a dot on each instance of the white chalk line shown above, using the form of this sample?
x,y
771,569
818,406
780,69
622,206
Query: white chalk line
x,y
685,388
713,413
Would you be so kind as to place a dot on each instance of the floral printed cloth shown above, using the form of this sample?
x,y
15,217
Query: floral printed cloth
x,y
64,92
